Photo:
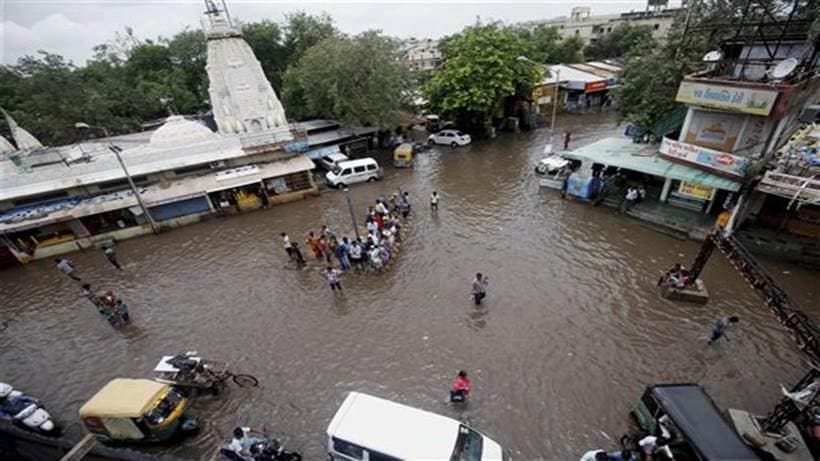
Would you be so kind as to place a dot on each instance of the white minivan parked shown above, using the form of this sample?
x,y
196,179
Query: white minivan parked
x,y
351,171
367,428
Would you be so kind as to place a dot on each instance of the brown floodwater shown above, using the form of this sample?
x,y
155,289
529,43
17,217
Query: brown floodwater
x,y
570,333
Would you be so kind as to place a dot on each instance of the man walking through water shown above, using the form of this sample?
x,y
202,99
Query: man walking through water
x,y
479,288
111,256
67,267
719,330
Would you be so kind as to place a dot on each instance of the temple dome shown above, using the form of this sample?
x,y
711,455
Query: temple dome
x,y
178,132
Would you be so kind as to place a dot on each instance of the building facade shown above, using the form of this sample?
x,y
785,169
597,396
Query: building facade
x,y
591,28
421,55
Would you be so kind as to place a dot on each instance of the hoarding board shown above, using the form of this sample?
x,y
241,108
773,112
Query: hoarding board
x,y
750,101
697,191
709,159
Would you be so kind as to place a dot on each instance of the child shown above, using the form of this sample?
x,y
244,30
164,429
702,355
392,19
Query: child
x,y
332,276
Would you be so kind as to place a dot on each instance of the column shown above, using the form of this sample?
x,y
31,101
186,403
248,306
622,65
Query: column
x,y
667,185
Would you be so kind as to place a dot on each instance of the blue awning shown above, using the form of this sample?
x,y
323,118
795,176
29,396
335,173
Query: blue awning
x,y
644,158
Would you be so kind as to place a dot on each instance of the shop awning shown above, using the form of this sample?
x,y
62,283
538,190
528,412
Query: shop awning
x,y
644,158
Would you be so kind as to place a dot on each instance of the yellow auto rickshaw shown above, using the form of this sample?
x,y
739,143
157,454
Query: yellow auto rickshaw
x,y
403,155
137,411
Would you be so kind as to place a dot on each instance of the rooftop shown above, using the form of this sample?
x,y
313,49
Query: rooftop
x,y
644,158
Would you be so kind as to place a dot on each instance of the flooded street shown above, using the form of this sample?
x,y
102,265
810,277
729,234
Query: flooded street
x,y
570,333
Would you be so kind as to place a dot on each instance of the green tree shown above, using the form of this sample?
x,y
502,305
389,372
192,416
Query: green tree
x,y
303,31
620,42
355,80
480,71
548,46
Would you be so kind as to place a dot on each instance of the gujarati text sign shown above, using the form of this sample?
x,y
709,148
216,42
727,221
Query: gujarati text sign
x,y
697,191
751,101
714,160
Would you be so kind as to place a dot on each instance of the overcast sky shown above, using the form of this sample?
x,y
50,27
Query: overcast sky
x,y
72,28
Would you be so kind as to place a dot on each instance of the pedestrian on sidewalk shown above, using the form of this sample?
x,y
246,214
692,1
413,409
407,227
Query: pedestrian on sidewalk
x,y
630,199
67,267
332,276
567,139
286,243
479,288
434,202
719,330
111,255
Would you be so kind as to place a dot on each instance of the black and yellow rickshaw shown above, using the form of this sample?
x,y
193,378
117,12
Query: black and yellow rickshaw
x,y
137,411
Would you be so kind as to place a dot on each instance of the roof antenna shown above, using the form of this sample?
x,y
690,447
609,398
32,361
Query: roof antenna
x,y
227,14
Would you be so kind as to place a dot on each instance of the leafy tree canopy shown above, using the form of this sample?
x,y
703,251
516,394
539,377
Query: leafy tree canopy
x,y
549,48
620,42
355,80
480,70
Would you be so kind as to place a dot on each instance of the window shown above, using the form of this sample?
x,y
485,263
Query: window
x,y
577,31
376,456
346,172
371,167
468,445
201,168
347,448
657,26
358,169
609,29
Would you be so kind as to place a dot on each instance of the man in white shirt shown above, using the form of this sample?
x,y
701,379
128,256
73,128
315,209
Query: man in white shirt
x,y
67,267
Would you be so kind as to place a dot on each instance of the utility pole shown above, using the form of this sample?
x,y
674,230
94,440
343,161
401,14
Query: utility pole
x,y
116,150
352,214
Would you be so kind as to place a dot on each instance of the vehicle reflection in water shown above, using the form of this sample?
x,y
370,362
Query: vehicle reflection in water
x,y
571,331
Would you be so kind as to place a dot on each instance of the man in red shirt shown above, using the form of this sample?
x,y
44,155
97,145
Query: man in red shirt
x,y
461,387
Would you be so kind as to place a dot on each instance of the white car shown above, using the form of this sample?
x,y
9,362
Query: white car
x,y
452,138
330,161
370,428
352,171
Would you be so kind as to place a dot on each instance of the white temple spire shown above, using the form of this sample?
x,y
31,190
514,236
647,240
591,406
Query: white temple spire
x,y
23,139
242,99
6,146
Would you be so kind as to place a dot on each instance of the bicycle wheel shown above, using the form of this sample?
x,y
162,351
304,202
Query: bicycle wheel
x,y
245,380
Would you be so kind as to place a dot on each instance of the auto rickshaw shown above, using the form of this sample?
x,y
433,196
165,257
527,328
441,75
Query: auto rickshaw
x,y
137,411
403,155
686,417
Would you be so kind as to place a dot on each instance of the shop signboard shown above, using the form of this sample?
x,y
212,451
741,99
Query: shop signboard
x,y
713,160
591,87
734,98
696,191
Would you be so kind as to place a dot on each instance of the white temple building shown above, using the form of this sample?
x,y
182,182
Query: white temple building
x,y
242,98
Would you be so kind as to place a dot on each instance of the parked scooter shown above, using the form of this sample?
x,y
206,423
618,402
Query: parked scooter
x,y
25,411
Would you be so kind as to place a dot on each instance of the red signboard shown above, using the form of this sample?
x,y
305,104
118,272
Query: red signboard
x,y
595,86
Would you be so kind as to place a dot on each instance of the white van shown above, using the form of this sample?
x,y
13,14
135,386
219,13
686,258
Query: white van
x,y
367,428
359,170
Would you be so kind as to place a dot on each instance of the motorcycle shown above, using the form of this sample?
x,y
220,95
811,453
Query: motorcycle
x,y
263,450
26,412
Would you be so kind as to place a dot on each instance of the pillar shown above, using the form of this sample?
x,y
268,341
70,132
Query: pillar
x,y
667,185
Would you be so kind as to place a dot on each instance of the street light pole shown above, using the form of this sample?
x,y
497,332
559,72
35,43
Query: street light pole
x,y
352,214
116,150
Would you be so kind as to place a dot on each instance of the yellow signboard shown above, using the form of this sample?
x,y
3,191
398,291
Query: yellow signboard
x,y
748,100
696,191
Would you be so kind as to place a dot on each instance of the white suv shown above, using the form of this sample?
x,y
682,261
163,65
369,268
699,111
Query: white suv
x,y
452,138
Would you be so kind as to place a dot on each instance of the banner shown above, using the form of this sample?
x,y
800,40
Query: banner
x,y
708,159
750,101
697,191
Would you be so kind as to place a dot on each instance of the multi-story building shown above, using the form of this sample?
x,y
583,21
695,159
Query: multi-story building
x,y
419,55
737,114
591,28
